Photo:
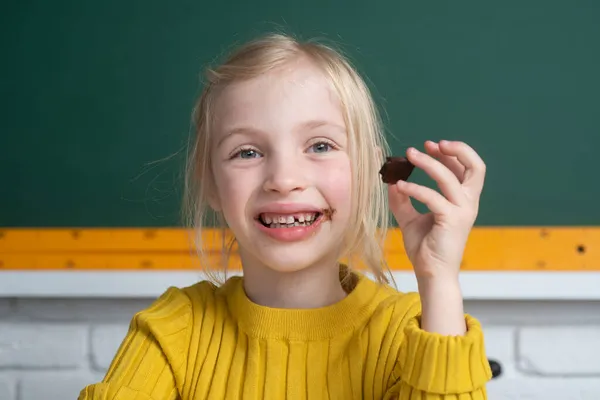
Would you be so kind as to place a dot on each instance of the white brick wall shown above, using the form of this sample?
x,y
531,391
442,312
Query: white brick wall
x,y
105,342
36,345
532,388
51,348
559,352
8,387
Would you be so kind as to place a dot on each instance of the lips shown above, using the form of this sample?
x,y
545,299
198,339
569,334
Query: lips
x,y
289,222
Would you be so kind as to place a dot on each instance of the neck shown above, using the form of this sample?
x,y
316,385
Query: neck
x,y
312,287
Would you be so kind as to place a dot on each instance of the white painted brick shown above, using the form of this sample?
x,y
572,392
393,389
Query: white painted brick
x,y
106,340
86,310
535,312
42,346
544,389
54,385
7,388
559,350
6,307
500,346
508,326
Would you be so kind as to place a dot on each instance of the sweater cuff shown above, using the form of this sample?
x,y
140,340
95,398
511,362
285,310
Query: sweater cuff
x,y
434,363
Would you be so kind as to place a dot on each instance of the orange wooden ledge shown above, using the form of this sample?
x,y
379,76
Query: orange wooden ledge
x,y
488,249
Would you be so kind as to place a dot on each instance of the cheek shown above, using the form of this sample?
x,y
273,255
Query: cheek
x,y
337,186
232,190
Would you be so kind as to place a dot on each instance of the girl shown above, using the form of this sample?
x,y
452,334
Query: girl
x,y
287,150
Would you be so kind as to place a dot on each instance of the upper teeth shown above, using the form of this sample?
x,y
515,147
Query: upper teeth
x,y
287,219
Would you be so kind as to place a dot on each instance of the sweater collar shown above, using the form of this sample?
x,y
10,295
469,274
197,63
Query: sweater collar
x,y
302,324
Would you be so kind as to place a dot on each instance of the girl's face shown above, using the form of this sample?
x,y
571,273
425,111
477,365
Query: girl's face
x,y
281,167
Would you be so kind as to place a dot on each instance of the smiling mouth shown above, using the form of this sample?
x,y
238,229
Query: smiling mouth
x,y
274,221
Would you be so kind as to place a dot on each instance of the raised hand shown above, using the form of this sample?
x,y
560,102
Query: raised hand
x,y
435,241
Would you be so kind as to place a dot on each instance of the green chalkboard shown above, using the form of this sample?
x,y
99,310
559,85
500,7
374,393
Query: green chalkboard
x,y
96,97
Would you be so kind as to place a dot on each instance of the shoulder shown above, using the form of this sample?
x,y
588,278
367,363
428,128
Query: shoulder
x,y
176,302
390,311
396,306
155,350
397,299
173,313
197,294
190,302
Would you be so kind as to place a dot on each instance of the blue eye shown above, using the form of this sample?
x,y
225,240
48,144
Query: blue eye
x,y
247,153
321,147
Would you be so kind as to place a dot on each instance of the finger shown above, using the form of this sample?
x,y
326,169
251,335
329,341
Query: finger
x,y
436,203
401,206
452,163
446,180
474,165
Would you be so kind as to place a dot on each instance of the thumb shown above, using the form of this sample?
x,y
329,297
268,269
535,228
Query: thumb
x,y
401,206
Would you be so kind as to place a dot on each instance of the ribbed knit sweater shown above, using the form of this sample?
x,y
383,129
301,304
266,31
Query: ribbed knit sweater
x,y
212,342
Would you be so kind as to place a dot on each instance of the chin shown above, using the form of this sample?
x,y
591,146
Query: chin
x,y
287,258
292,259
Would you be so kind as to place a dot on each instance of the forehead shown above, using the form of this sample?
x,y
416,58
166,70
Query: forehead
x,y
279,99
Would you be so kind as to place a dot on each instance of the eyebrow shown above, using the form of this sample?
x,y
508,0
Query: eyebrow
x,y
314,124
308,125
238,131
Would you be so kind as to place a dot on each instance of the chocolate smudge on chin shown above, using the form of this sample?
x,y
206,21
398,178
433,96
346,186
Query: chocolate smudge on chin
x,y
328,213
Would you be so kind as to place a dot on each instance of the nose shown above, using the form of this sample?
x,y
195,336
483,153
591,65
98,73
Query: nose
x,y
284,174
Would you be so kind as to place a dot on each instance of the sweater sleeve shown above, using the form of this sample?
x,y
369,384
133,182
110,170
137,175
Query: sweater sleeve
x,y
150,362
433,366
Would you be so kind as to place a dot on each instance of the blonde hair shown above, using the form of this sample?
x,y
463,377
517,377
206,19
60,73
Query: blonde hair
x,y
363,244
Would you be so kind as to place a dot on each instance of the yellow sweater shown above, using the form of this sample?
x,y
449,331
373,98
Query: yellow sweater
x,y
207,342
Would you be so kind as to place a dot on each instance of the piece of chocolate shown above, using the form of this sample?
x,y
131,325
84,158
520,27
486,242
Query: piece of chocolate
x,y
396,169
